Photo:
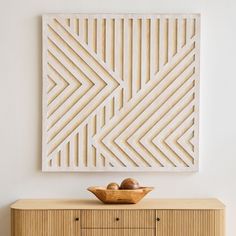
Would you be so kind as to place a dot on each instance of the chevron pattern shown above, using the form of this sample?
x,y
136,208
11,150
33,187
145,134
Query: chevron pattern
x,y
120,92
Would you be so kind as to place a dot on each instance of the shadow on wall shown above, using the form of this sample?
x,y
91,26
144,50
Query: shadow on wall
x,y
39,91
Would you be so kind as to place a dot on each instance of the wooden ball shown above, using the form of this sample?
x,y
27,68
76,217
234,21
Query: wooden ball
x,y
113,186
129,183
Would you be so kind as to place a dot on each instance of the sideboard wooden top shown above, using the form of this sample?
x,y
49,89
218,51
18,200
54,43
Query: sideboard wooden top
x,y
62,204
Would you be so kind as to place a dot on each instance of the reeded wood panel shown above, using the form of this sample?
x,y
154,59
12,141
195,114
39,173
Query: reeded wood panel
x,y
190,223
207,220
29,223
63,223
118,219
118,232
45,223
120,92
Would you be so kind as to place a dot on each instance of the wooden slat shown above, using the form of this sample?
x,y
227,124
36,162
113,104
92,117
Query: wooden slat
x,y
144,53
127,62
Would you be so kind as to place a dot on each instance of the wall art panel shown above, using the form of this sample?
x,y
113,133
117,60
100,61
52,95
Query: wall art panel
x,y
120,92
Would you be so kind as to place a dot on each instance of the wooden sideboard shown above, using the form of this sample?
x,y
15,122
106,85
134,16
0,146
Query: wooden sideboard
x,y
150,217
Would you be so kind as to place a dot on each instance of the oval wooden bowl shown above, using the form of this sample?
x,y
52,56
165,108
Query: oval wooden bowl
x,y
121,196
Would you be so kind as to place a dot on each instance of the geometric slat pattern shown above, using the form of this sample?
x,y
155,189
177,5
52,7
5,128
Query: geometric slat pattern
x,y
120,92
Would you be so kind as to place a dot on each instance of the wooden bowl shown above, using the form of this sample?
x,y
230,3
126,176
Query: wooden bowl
x,y
121,196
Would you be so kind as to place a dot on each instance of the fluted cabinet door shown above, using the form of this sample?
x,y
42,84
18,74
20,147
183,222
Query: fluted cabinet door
x,y
118,232
63,223
29,223
190,223
45,223
123,219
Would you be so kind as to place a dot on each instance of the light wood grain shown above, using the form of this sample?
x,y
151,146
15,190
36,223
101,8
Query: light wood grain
x,y
45,222
118,232
29,223
63,223
190,222
120,196
199,217
95,204
118,219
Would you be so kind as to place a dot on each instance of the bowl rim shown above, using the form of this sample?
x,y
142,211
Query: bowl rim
x,y
100,188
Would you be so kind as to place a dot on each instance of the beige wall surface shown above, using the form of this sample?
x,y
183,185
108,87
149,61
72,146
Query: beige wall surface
x,y
20,103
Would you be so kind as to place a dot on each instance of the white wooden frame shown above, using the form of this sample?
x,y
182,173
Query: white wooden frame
x,y
120,92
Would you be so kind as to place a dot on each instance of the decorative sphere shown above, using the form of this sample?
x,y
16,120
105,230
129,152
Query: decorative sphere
x,y
113,186
129,183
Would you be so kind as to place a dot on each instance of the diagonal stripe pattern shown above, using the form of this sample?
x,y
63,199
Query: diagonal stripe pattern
x,y
120,92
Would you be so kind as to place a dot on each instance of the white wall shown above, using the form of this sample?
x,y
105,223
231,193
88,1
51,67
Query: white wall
x,y
20,106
